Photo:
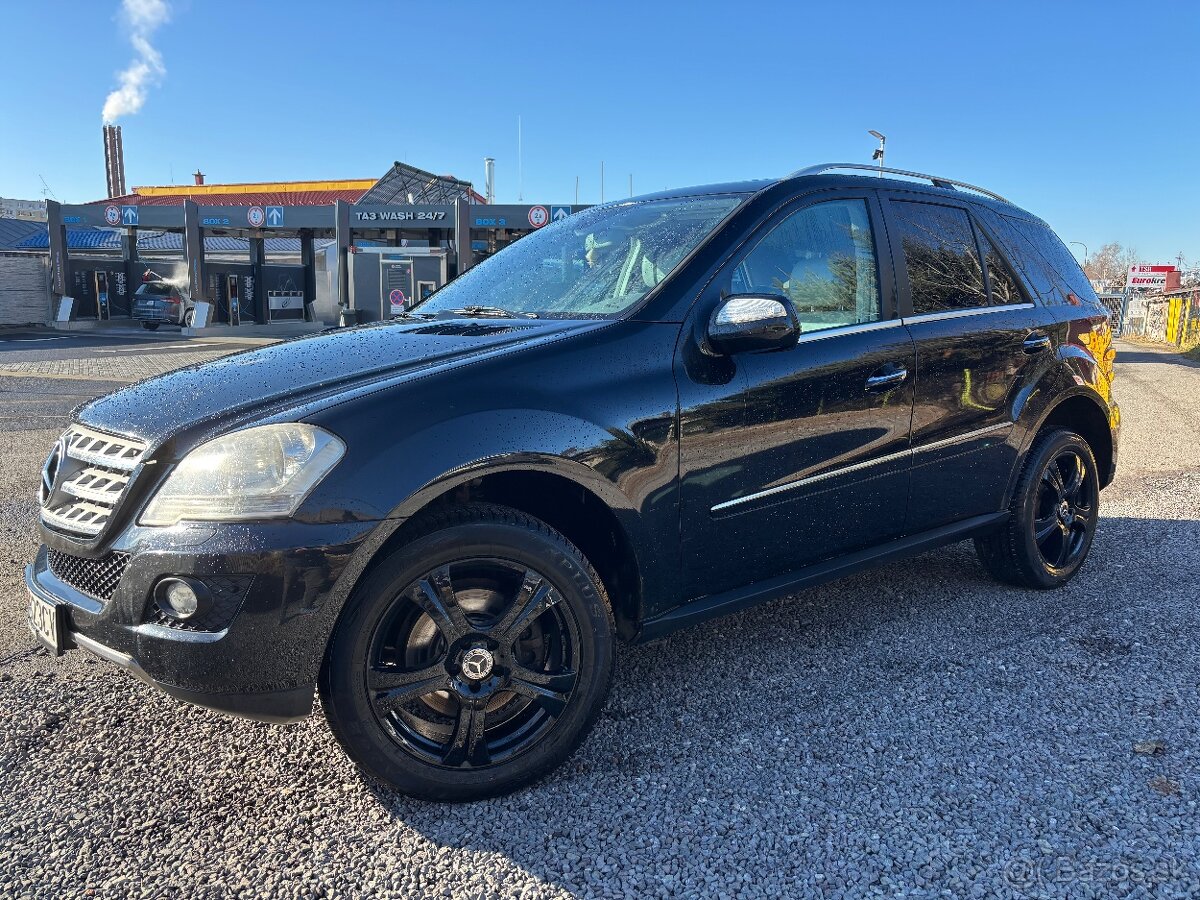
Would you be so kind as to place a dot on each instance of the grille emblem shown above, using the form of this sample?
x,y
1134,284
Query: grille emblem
x,y
50,472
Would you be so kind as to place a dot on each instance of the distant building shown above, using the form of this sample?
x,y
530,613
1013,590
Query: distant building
x,y
400,184
27,210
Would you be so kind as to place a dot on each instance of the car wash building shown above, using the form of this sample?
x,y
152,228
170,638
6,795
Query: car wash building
x,y
300,254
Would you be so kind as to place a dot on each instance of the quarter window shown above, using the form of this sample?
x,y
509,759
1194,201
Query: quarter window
x,y
1060,260
944,272
822,259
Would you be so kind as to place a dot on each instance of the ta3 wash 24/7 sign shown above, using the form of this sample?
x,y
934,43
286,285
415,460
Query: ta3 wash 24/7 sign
x,y
1147,276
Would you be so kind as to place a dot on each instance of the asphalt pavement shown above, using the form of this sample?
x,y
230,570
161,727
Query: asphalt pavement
x,y
917,730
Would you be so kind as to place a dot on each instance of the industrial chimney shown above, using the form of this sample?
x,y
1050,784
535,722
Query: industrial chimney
x,y
114,161
489,179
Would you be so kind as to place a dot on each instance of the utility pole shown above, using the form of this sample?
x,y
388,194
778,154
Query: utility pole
x,y
576,190
630,184
601,181
520,168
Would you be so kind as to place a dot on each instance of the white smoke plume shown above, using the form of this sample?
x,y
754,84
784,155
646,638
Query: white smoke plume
x,y
143,17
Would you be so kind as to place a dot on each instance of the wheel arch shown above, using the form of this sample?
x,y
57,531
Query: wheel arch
x,y
573,499
1083,413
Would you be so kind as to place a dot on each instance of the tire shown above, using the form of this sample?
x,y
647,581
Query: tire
x,y
188,318
150,326
471,661
1053,516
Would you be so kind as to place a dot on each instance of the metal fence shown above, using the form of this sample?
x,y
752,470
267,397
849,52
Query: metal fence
x,y
1166,318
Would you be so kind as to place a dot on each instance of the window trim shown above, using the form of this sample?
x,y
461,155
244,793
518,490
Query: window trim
x,y
969,311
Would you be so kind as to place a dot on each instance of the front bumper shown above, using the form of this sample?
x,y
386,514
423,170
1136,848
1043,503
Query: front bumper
x,y
263,662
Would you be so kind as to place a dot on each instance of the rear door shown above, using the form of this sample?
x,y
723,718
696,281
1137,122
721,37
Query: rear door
x,y
976,340
795,456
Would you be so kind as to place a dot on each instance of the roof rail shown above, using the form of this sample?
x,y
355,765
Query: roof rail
x,y
937,180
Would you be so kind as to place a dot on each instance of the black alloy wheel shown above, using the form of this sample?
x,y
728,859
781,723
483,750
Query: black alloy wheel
x,y
473,660
1053,516
1066,510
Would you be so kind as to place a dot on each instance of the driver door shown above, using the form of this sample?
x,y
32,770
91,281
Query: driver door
x,y
795,456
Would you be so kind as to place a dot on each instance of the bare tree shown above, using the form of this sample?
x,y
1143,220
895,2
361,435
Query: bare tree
x,y
1110,264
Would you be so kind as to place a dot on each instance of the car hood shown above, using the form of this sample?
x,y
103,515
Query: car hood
x,y
298,372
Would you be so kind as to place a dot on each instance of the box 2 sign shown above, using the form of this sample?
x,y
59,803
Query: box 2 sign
x,y
1147,276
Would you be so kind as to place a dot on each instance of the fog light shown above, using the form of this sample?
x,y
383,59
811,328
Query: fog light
x,y
179,598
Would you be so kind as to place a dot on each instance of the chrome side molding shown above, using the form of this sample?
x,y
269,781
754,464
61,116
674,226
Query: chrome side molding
x,y
846,470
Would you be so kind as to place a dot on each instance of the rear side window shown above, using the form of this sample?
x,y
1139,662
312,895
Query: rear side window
x,y
941,257
1056,255
1005,286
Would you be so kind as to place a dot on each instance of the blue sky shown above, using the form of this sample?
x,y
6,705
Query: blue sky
x,y
1086,113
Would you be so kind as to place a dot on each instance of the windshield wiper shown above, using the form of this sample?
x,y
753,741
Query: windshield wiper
x,y
495,311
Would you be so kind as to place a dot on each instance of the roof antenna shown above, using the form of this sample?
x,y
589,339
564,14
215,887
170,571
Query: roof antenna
x,y
879,151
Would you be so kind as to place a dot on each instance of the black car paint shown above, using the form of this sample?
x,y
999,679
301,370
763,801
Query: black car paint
x,y
637,411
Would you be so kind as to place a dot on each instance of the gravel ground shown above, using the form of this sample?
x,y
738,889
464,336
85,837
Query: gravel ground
x,y
917,730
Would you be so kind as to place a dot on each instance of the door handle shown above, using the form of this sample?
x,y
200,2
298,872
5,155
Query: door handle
x,y
1036,343
885,381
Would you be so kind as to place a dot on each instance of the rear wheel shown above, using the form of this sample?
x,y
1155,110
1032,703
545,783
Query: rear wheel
x,y
150,326
473,660
188,318
1053,516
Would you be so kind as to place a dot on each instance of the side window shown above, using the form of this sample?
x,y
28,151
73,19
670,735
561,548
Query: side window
x,y
822,258
1023,255
1005,286
1060,260
943,265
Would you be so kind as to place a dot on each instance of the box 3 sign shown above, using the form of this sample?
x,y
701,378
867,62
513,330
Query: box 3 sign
x,y
1147,276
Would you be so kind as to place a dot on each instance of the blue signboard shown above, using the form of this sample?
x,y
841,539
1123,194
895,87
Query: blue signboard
x,y
558,213
129,215
275,215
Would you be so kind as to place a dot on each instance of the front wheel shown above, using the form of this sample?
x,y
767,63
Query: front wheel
x,y
188,318
473,660
1053,516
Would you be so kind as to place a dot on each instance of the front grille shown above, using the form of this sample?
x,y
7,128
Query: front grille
x,y
88,473
97,578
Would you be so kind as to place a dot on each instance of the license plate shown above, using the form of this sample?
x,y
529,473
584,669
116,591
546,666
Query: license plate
x,y
46,623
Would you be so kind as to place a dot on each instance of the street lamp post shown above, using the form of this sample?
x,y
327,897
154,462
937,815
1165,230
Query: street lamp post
x,y
879,151
1085,250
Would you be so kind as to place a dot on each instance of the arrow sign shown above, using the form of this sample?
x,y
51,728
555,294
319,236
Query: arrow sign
x,y
558,213
274,215
129,215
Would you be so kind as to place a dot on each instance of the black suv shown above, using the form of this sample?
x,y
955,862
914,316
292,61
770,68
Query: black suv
x,y
646,415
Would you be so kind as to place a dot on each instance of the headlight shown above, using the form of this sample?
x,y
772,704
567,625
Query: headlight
x,y
260,473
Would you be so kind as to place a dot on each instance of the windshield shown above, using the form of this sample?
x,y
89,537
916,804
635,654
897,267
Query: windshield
x,y
594,264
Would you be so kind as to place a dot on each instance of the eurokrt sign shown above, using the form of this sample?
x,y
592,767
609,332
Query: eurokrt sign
x,y
1147,276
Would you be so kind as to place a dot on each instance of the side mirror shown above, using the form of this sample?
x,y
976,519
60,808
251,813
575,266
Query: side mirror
x,y
744,323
